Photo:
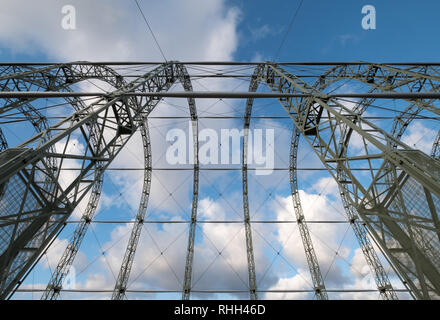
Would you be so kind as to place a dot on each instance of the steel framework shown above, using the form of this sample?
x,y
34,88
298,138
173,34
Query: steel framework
x,y
391,204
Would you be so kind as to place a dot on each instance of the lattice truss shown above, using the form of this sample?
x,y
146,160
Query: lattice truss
x,y
356,178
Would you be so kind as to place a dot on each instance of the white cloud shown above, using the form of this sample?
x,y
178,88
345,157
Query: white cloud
x,y
419,137
114,30
297,282
326,186
261,32
346,38
326,237
358,264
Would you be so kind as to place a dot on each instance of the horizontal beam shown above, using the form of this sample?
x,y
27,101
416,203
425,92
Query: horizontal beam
x,y
220,63
218,95
207,291
219,169
223,74
210,221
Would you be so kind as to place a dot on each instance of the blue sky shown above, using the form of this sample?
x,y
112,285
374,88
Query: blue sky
x,y
218,30
405,30
323,31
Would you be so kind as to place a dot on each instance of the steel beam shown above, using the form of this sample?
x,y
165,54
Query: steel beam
x,y
382,281
312,260
63,267
224,95
187,279
365,194
28,163
253,86
120,289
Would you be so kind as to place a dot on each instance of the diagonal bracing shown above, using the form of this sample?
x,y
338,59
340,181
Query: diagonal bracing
x,y
52,206
371,196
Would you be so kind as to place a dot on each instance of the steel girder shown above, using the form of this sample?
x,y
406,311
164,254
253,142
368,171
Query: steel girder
x,y
253,86
385,78
54,77
127,262
54,286
57,77
184,78
312,260
382,281
378,271
371,196
47,209
389,78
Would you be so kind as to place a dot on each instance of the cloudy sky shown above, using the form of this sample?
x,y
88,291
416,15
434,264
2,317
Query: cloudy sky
x,y
217,30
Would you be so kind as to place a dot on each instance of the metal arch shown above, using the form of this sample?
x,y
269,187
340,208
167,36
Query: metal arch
x,y
57,77
312,260
399,125
384,82
388,78
124,273
127,262
185,79
315,272
371,196
392,145
376,76
55,283
55,207
41,124
376,268
47,78
253,86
